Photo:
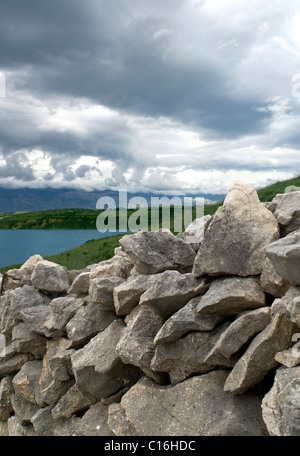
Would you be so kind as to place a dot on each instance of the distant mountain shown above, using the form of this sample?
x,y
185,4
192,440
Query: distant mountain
x,y
26,199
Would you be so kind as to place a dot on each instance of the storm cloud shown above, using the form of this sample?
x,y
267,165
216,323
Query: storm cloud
x,y
175,95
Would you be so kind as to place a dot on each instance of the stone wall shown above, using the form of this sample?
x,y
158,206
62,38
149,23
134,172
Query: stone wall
x,y
167,338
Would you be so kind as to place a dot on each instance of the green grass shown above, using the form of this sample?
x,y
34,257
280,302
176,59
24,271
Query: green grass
x,y
268,193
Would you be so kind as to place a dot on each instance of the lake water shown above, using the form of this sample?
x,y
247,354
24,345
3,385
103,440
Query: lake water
x,y
16,246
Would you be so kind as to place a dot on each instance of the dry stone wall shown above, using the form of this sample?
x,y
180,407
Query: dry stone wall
x,y
164,339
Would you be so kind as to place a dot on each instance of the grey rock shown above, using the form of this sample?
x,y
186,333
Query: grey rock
x,y
186,320
284,255
74,401
289,358
281,406
259,358
232,295
127,295
35,319
13,364
62,310
6,390
171,290
15,278
88,321
46,426
286,208
15,428
235,239
293,307
196,407
26,341
186,356
157,251
94,422
242,329
117,266
97,367
23,409
50,277
101,291
80,285
136,345
26,382
13,302
272,282
194,233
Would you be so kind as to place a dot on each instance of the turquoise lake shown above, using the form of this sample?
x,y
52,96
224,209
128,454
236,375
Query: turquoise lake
x,y
16,246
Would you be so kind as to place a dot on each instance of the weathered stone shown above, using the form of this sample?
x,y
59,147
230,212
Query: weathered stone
x,y
26,382
259,359
117,266
26,341
195,407
136,345
15,278
35,319
272,282
23,409
284,255
101,291
87,322
62,310
235,239
186,320
14,302
289,358
94,422
156,251
15,428
281,406
286,208
194,233
127,294
80,285
232,295
55,378
45,425
6,390
171,290
293,307
242,329
50,277
13,364
73,401
186,356
97,367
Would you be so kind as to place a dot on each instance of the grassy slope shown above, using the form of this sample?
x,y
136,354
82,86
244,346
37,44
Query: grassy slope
x,y
98,250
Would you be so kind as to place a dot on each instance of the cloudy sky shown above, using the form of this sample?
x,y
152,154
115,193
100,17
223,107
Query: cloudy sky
x,y
152,95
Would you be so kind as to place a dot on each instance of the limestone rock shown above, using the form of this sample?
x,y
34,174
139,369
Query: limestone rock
x,y
50,277
97,367
245,326
127,294
171,290
26,341
73,401
235,239
62,310
232,295
26,382
289,358
281,406
196,407
156,251
23,409
101,291
15,278
80,285
284,255
272,282
194,233
6,390
88,321
94,422
136,345
259,359
286,208
186,356
35,319
117,266
13,364
186,320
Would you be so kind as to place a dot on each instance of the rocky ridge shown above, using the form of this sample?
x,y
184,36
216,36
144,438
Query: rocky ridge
x,y
170,337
